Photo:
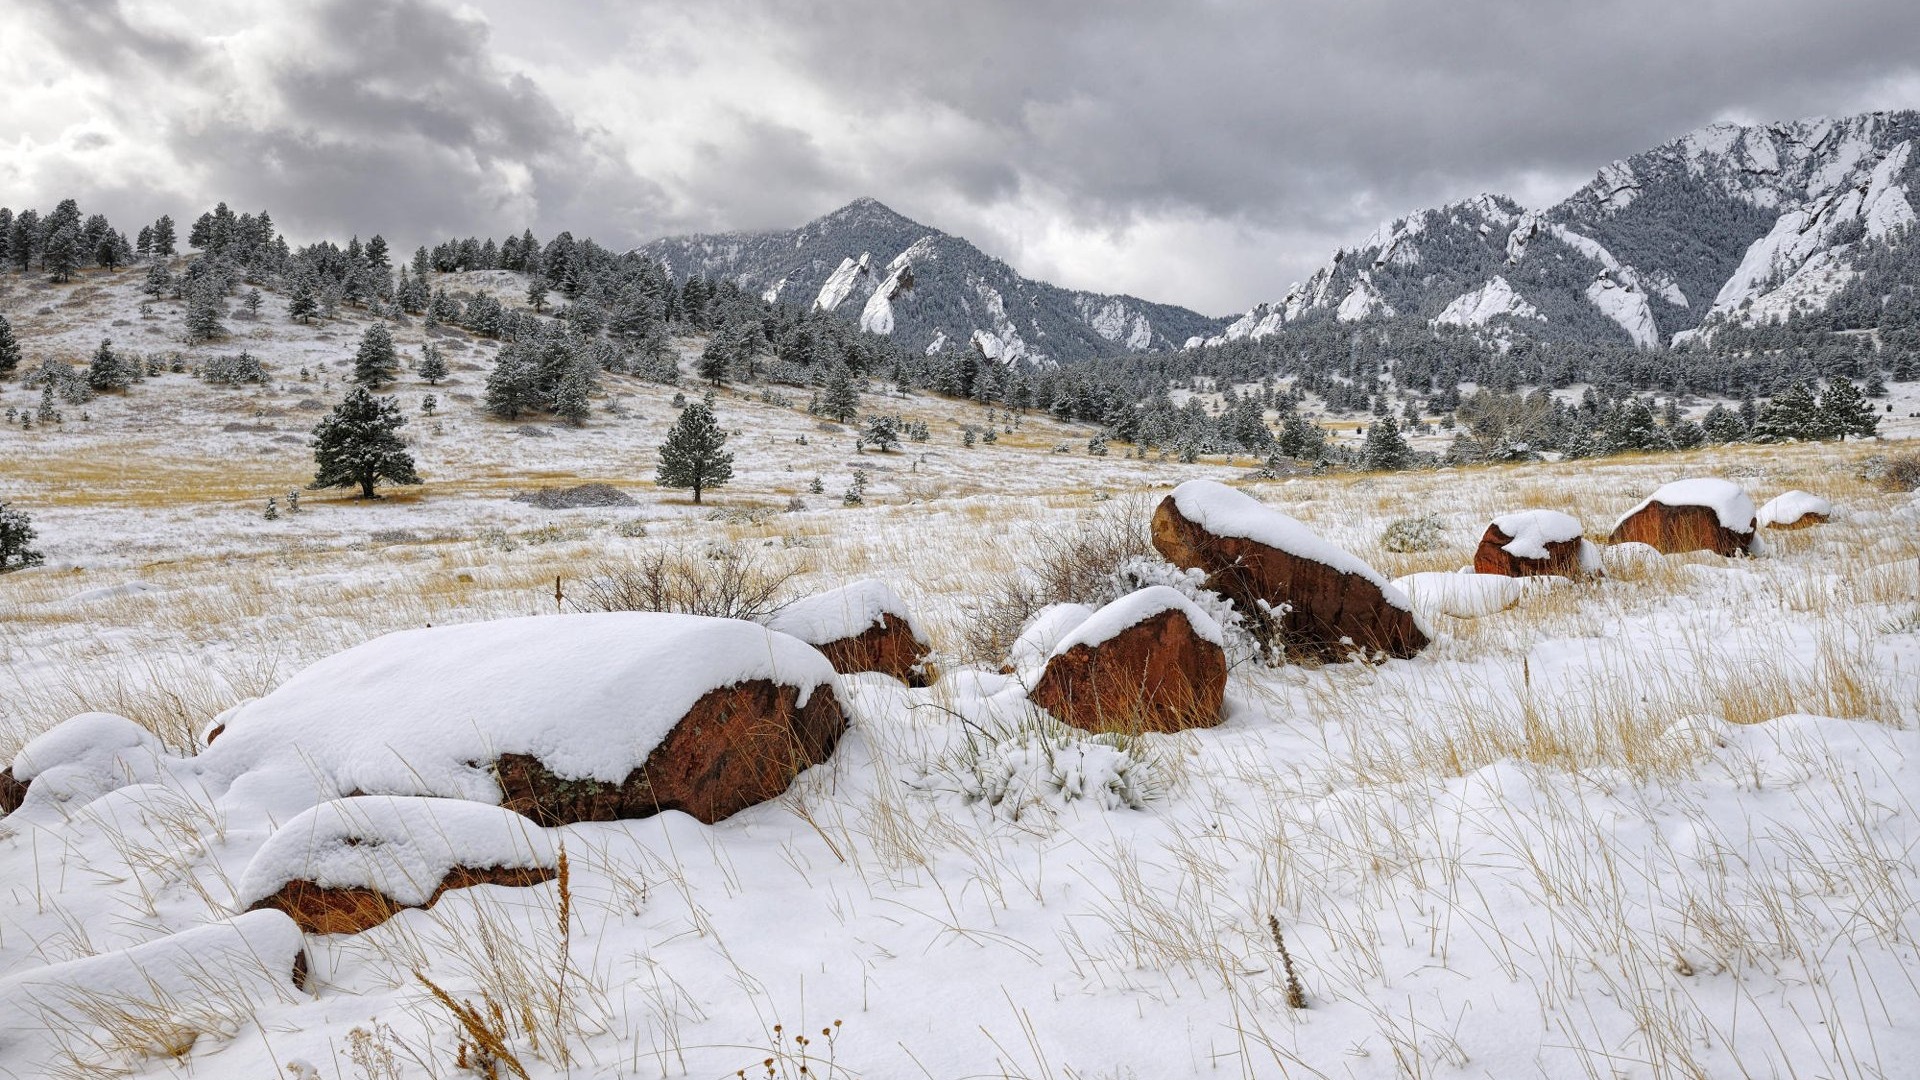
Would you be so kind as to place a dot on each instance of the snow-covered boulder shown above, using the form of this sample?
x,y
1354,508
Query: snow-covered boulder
x,y
860,627
154,999
563,718
1795,510
1034,647
1535,542
351,864
1463,596
1704,514
76,762
1326,601
1149,661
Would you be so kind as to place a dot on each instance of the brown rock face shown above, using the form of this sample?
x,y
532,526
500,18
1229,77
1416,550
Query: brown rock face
x,y
888,648
1157,675
1329,605
1674,529
1563,557
322,910
738,746
12,792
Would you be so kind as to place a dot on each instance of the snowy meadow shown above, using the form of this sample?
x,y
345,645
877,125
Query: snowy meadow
x,y
1659,822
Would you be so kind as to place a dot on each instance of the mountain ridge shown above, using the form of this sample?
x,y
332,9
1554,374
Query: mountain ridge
x,y
929,289
1727,224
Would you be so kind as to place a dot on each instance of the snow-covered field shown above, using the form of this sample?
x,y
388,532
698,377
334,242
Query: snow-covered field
x,y
1659,824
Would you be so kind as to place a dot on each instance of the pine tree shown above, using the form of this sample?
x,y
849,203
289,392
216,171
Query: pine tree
x,y
856,493
163,238
1722,425
359,444
536,292
159,280
715,359
375,364
62,255
1844,411
16,532
1384,449
510,386
570,398
303,305
433,366
252,301
1792,414
9,349
692,456
882,433
1632,428
205,308
842,400
1302,439
108,370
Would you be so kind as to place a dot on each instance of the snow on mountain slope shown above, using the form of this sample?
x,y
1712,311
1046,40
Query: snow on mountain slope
x,y
929,294
1765,219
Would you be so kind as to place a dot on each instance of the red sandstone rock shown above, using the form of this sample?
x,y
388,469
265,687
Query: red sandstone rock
x,y
1334,609
1160,673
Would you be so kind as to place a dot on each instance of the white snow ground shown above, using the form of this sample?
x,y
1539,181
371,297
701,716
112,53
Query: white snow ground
x,y
1660,824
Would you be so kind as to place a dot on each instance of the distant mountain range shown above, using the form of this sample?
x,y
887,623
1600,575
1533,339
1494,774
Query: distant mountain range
x,y
1728,224
929,290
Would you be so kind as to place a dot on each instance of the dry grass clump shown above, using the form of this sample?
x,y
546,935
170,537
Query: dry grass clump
x,y
726,581
1901,473
1067,567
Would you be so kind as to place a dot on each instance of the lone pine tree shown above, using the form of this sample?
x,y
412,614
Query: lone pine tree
x,y
692,456
16,532
359,444
9,349
375,364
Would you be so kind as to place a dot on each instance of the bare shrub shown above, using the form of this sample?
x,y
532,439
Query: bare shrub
x,y
1069,567
726,581
1901,473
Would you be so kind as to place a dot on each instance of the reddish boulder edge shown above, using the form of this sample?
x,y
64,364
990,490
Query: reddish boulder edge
x,y
319,909
1674,529
1332,612
739,745
1156,675
1562,560
888,647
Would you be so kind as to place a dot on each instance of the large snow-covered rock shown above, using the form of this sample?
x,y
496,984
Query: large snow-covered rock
x,y
1704,514
350,864
563,718
1794,510
1495,299
158,998
76,762
864,626
1530,543
1149,661
1325,601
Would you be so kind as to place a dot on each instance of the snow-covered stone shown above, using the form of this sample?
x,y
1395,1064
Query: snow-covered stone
x,y
587,697
1794,509
864,626
78,761
1325,600
1705,513
1462,596
839,284
1626,306
347,865
1149,661
1043,631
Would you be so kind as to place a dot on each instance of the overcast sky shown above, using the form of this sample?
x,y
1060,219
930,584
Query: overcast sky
x,y
1203,152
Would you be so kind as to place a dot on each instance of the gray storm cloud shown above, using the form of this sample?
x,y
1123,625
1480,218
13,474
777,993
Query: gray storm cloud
x,y
1203,154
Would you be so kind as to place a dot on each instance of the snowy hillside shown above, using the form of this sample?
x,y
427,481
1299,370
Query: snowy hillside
x,y
929,290
1727,224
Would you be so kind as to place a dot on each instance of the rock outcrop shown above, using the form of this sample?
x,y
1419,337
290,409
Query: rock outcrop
x,y
1691,515
1533,543
1325,602
1150,661
860,627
